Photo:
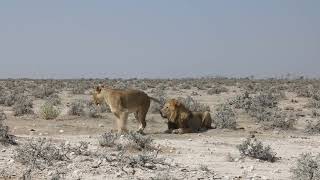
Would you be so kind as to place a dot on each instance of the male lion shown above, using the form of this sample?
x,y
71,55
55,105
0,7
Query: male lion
x,y
182,120
123,102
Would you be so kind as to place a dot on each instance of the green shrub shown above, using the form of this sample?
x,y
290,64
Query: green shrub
x,y
49,111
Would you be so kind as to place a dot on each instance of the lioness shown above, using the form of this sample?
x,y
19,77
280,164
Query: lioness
x,y
182,120
123,102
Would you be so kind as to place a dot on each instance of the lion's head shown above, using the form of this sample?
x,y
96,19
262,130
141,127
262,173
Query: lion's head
x,y
175,112
97,95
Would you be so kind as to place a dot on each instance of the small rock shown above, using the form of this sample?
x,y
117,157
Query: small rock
x,y
251,169
3,150
50,173
300,114
178,152
40,134
149,165
61,131
277,171
118,174
32,130
101,125
189,139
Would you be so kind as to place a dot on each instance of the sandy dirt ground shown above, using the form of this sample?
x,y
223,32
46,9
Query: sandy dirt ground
x,y
188,153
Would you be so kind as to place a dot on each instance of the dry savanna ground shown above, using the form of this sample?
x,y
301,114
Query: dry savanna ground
x,y
265,129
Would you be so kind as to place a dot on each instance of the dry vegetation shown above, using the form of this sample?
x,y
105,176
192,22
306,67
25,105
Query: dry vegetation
x,y
50,129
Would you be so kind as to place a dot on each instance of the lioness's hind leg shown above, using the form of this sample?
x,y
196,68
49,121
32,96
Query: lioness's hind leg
x,y
141,116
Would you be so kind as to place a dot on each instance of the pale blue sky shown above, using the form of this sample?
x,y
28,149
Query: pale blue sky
x,y
164,38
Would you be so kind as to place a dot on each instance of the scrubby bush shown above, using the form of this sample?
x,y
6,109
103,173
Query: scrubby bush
x,y
93,111
193,105
42,152
315,113
131,140
44,91
149,160
225,117
5,137
282,120
49,111
307,167
184,86
313,103
78,88
8,99
161,96
313,126
23,105
54,99
266,100
3,116
251,147
77,108
217,90
263,108
305,91
242,101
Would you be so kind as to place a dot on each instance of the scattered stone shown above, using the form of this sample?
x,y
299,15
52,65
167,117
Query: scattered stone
x,y
61,131
251,169
277,171
101,125
32,130
289,108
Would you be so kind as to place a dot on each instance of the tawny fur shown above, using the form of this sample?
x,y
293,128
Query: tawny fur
x,y
124,102
182,120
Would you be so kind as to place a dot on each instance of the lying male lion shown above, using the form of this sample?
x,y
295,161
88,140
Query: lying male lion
x,y
123,102
182,120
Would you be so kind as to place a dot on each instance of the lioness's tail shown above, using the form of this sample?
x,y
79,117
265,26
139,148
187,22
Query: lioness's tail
x,y
155,100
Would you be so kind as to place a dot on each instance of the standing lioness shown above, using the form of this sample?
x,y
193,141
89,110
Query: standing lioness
x,y
123,102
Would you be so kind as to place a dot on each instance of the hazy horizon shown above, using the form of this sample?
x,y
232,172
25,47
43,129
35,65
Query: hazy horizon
x,y
159,39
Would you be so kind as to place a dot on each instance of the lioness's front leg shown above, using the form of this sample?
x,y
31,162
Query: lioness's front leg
x,y
122,121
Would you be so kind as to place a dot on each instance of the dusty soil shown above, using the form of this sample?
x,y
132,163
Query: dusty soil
x,y
187,152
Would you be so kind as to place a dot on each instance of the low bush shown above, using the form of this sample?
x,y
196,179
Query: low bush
x,y
217,90
225,117
77,108
131,140
5,137
193,105
22,106
49,111
307,167
253,148
41,153
313,126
